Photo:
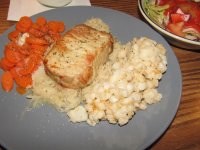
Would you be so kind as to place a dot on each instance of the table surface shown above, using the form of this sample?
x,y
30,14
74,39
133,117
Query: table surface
x,y
184,132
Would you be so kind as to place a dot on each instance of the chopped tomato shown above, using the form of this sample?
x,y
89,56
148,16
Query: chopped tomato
x,y
192,25
190,8
161,2
176,28
177,18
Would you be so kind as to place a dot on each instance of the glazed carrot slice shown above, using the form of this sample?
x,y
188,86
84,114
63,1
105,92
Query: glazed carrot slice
x,y
44,28
28,67
6,64
53,26
13,36
25,49
7,81
38,49
25,22
12,46
61,26
37,59
54,35
13,56
35,26
20,28
37,41
36,32
24,81
41,21
21,90
15,72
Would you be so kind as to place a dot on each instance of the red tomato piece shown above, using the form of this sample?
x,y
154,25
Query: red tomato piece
x,y
176,28
177,18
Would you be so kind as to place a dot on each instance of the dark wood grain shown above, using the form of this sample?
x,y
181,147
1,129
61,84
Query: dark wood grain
x,y
184,132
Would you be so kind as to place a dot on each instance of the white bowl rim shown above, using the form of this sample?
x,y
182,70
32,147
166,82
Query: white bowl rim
x,y
161,29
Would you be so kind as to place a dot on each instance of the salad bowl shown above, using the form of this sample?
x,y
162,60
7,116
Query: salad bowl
x,y
168,22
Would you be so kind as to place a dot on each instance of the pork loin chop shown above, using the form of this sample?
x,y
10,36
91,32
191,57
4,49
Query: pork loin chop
x,y
74,60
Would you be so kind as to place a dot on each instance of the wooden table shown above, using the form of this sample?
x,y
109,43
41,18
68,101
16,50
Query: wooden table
x,y
184,132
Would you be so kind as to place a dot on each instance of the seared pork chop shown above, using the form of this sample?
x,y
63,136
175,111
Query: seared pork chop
x,y
74,60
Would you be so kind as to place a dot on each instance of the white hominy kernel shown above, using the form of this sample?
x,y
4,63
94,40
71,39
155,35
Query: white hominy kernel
x,y
123,121
113,99
106,85
130,68
130,88
126,101
78,114
141,86
122,85
129,77
136,96
124,93
143,106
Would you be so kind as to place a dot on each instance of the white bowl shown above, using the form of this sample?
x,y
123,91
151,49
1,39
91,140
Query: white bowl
x,y
170,37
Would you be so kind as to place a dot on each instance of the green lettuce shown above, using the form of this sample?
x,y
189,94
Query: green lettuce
x,y
155,12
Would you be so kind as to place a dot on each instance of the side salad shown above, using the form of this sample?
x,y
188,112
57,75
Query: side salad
x,y
180,17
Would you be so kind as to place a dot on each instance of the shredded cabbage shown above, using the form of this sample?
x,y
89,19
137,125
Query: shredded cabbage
x,y
155,12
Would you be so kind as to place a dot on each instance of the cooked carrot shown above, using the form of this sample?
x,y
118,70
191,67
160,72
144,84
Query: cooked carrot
x,y
25,49
41,21
44,28
20,61
35,26
20,90
53,26
20,28
24,81
15,72
14,35
54,35
6,64
11,46
7,81
36,32
37,41
28,66
61,26
25,22
38,49
13,56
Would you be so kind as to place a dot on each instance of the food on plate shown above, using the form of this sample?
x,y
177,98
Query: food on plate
x,y
46,90
74,60
180,17
126,83
124,77
25,50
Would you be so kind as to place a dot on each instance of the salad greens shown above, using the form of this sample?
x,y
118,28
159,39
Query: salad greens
x,y
180,17
156,12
